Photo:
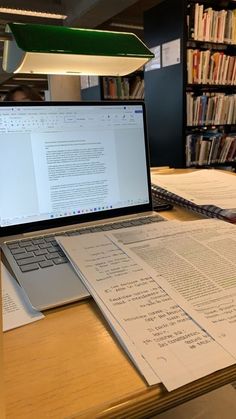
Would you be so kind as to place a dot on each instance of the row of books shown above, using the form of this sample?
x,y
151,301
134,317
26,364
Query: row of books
x,y
123,88
206,24
208,67
211,109
210,148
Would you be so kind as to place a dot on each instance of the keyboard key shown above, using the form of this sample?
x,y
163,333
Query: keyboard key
x,y
73,233
38,241
53,249
107,227
53,255
45,245
45,264
29,261
117,225
24,243
24,255
41,252
127,224
136,222
54,243
85,231
18,251
13,245
49,239
94,229
147,221
59,261
28,268
31,248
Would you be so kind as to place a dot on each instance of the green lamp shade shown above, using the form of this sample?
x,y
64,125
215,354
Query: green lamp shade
x,y
46,49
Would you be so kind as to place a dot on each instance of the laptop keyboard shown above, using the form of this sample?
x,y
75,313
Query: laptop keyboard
x,y
42,252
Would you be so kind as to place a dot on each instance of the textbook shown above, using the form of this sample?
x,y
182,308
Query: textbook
x,y
209,192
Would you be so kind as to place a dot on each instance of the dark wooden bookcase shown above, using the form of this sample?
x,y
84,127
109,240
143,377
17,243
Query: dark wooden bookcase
x,y
165,88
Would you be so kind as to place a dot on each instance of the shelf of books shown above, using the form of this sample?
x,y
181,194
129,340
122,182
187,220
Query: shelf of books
x,y
210,147
122,88
211,84
211,21
113,88
191,102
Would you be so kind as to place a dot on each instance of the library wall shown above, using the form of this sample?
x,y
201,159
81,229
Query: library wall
x,y
164,87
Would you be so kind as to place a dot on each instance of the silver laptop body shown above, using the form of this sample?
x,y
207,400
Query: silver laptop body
x,y
67,167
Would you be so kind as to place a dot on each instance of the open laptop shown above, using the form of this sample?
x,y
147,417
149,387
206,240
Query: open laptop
x,y
67,166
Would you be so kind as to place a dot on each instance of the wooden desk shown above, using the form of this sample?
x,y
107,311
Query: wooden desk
x,y
69,365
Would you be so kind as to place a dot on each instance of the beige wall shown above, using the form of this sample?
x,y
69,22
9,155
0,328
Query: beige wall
x,y
64,87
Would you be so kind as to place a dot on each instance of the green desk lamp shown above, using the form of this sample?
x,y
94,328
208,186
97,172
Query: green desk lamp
x,y
47,49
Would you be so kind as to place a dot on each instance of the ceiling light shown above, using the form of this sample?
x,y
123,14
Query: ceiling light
x,y
47,49
28,79
126,25
34,13
53,9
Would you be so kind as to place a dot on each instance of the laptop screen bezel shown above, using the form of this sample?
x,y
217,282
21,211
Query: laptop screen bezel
x,y
88,217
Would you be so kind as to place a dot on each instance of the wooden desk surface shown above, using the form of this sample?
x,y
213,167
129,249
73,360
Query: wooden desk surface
x,y
69,365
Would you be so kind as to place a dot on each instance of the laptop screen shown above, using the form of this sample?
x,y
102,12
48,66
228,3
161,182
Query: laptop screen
x,y
66,162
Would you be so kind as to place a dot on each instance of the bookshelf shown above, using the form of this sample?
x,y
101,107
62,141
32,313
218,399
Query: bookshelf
x,y
191,105
129,87
116,88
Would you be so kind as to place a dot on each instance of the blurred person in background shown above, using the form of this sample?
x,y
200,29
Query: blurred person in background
x,y
22,93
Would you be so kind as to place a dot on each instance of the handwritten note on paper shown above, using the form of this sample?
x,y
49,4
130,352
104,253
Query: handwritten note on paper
x,y
197,269
16,309
171,343
146,370
128,345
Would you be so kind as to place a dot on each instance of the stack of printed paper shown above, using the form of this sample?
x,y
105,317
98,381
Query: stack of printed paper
x,y
168,291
